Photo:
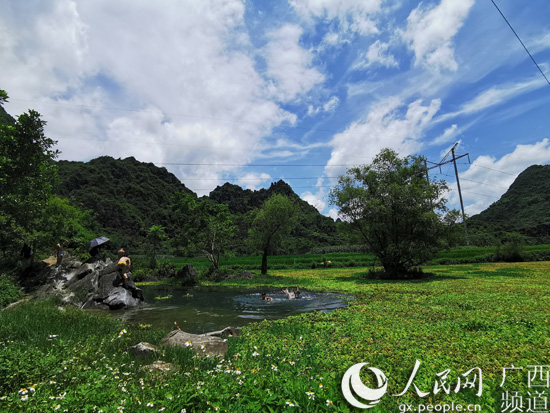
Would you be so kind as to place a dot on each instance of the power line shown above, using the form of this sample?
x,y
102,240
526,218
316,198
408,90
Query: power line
x,y
251,165
532,58
488,196
477,182
258,179
491,169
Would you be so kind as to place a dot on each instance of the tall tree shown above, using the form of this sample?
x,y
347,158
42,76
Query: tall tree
x,y
203,226
156,234
27,175
273,221
395,209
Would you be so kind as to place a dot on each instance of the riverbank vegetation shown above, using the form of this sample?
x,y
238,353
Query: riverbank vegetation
x,y
487,315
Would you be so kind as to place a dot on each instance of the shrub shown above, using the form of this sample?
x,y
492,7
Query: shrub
x,y
9,292
511,249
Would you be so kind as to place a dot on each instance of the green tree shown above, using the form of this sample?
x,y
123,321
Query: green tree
x,y
274,221
61,220
203,226
395,209
27,175
156,234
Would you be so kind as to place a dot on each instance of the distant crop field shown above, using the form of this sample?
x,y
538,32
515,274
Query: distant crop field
x,y
456,255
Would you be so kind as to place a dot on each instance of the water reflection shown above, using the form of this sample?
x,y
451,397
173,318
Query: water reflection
x,y
202,310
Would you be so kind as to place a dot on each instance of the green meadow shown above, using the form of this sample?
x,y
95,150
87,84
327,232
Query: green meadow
x,y
456,255
472,318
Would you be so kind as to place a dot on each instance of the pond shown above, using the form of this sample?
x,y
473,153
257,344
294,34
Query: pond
x,y
200,310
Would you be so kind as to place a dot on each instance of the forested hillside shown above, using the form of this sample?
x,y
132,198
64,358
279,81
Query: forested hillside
x,y
524,208
127,197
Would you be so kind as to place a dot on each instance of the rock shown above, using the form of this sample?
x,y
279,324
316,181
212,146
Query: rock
x,y
187,275
84,270
160,367
227,331
120,297
143,350
202,344
95,284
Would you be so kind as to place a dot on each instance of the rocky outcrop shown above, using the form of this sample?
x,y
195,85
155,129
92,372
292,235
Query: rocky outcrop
x,y
95,284
187,275
203,344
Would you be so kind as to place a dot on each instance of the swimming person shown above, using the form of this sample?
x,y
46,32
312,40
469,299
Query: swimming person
x,y
297,292
289,294
266,298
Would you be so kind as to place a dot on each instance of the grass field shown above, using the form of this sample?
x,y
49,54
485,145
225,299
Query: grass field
x,y
455,255
476,316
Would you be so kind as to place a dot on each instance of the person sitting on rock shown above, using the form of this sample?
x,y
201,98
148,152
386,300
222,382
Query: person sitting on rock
x,y
123,267
266,298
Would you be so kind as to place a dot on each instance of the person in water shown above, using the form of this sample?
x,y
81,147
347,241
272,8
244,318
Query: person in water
x,y
266,298
291,295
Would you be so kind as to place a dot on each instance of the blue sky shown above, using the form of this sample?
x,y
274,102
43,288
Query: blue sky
x,y
251,92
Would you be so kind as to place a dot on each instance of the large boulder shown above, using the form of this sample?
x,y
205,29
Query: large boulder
x,y
187,275
203,344
119,298
94,284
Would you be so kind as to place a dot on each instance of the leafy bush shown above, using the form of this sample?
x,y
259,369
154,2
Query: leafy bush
x,y
9,292
511,249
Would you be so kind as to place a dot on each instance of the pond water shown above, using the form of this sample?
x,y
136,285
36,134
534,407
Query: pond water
x,y
200,310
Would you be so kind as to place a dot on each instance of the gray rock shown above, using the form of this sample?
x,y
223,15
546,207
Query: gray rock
x,y
227,331
202,344
120,297
143,350
84,270
187,275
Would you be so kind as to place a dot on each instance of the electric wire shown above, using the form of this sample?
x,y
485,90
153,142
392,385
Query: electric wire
x,y
531,56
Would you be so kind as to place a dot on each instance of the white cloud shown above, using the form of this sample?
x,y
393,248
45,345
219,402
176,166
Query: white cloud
x,y
488,178
253,180
376,55
317,200
290,65
496,95
334,214
189,73
353,15
430,32
499,94
329,106
35,41
389,124
448,135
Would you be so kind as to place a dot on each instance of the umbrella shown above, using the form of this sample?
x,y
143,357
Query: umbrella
x,y
96,242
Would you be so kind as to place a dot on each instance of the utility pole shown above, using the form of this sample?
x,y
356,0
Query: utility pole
x,y
460,195
443,162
